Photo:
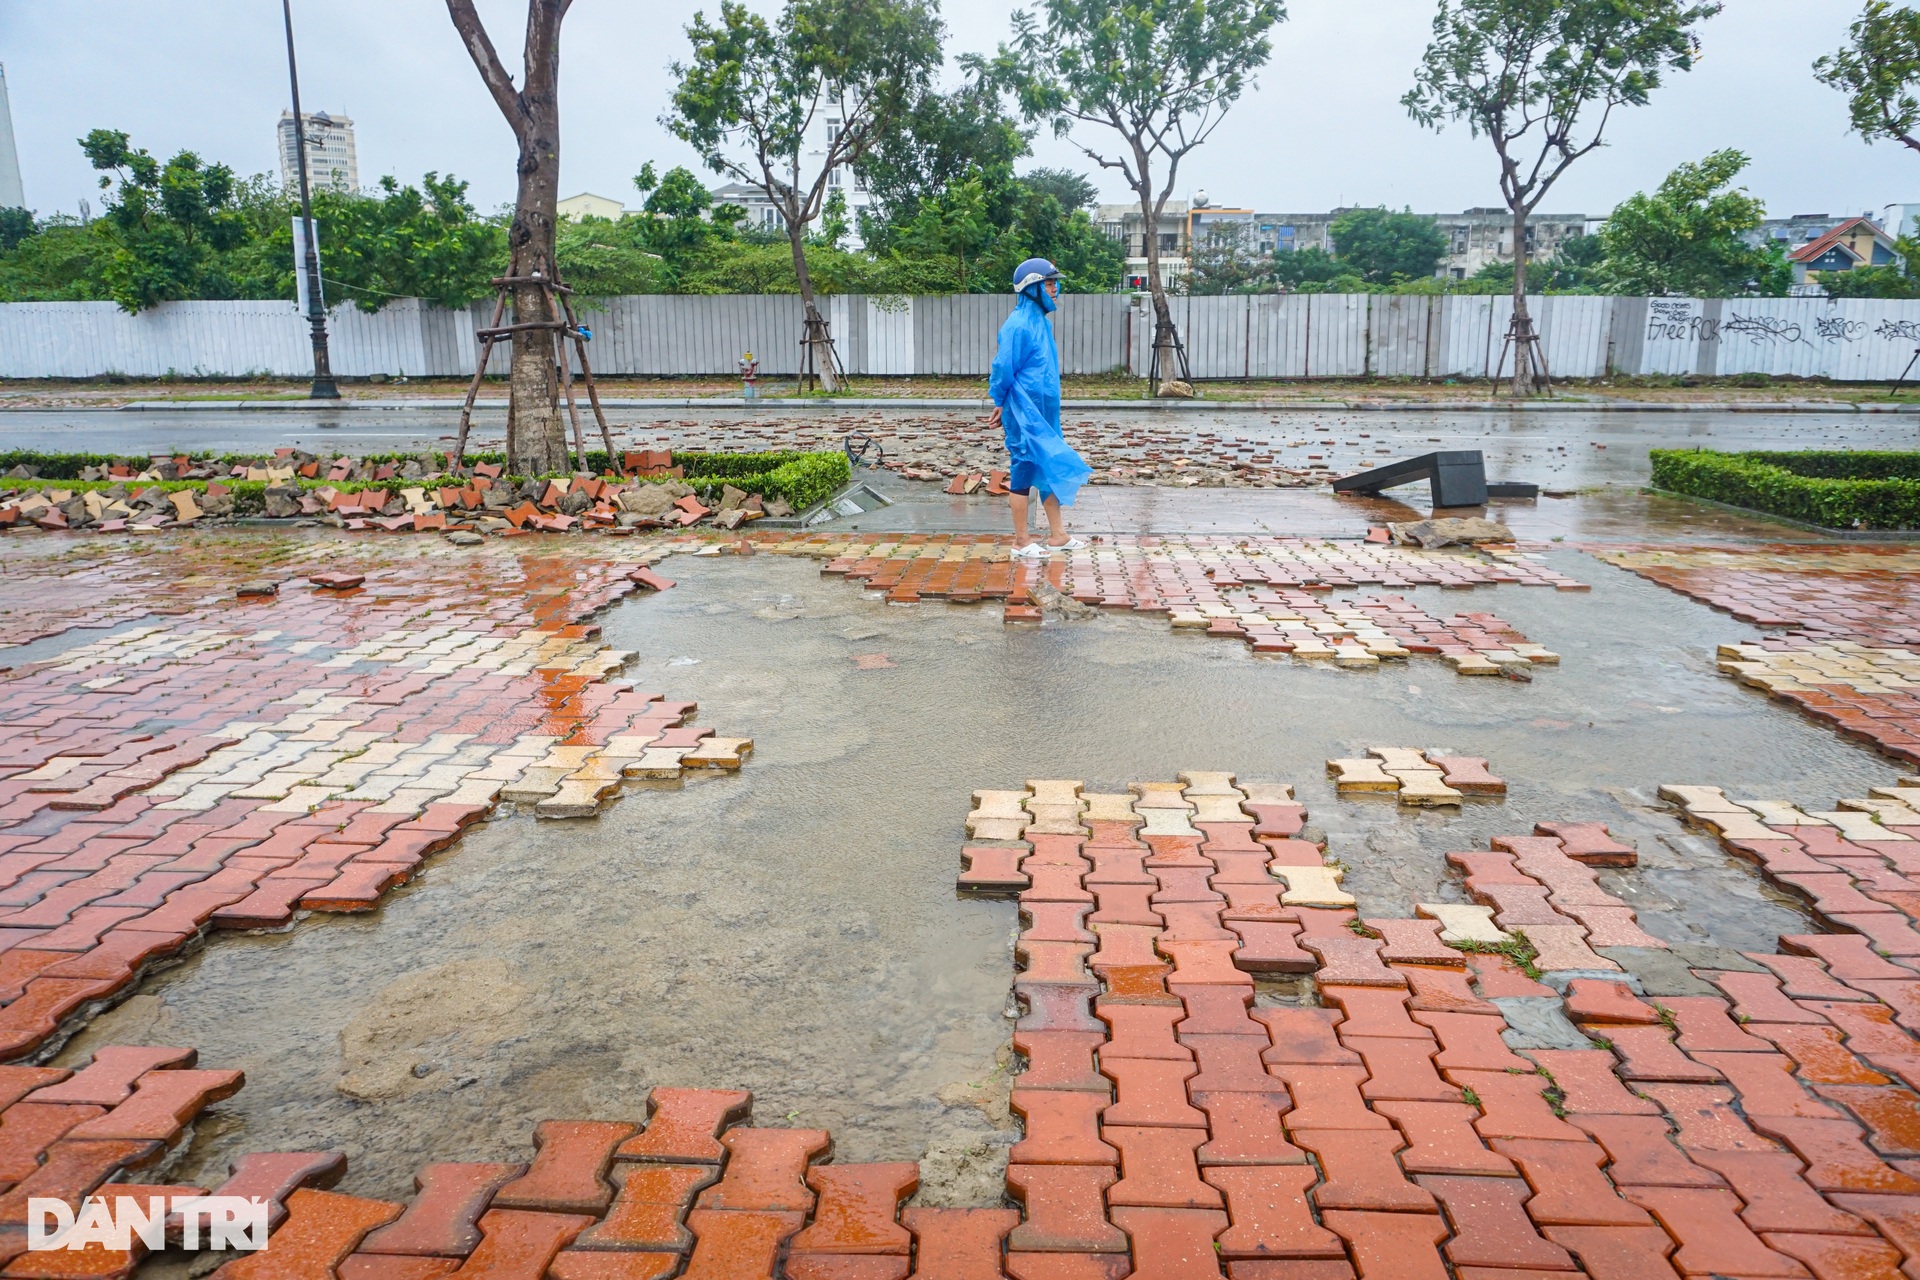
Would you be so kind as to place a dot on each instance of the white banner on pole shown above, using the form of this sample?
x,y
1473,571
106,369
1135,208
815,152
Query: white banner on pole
x,y
300,264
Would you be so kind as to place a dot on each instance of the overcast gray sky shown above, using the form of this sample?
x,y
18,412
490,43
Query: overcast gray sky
x,y
1323,126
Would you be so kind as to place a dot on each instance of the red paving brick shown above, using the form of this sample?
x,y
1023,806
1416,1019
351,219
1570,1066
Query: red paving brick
x,y
1271,592
183,807
1173,1126
1815,598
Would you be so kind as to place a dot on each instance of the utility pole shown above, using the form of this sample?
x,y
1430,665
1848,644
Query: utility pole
x,y
323,385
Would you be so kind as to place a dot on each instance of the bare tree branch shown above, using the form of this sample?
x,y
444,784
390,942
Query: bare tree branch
x,y
473,34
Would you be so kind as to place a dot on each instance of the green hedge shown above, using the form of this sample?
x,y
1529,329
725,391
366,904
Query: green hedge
x,y
1835,489
803,479
1841,464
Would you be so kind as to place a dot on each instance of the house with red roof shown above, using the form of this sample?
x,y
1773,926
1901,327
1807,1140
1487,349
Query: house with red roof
x,y
1857,242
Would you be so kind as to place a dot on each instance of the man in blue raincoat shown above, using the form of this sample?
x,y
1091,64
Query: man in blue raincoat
x,y
1026,396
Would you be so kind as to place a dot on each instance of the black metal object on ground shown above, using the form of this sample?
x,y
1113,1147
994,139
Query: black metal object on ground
x,y
1456,478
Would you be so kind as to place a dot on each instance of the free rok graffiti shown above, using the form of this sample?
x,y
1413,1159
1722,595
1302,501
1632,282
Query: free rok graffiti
x,y
1669,321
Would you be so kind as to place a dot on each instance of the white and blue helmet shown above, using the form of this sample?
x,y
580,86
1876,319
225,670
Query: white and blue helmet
x,y
1033,271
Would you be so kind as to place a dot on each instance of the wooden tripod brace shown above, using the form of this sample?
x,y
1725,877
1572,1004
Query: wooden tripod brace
x,y
817,341
559,300
1525,344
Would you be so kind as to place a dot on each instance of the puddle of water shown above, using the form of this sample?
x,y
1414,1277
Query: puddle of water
x,y
793,930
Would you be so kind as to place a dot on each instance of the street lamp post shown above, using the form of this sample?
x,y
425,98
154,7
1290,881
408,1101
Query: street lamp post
x,y
323,384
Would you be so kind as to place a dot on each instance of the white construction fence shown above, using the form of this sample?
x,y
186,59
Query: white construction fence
x,y
1257,336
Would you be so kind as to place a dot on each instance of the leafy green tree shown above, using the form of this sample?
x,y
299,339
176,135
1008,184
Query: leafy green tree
x,y
835,221
1224,260
1383,247
1576,265
939,139
408,242
1575,268
680,218
680,195
1685,237
604,259
753,91
174,221
952,224
389,241
1314,270
1541,80
1159,75
1072,190
65,261
1878,69
16,225
1090,261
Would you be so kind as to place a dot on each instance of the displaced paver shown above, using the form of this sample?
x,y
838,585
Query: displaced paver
x,y
1181,1121
1847,651
237,763
1271,592
1418,778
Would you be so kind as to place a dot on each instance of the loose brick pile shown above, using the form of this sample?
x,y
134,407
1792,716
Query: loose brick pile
x,y
1848,653
248,759
1268,591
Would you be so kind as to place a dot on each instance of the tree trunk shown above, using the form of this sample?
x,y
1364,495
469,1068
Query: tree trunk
x,y
1523,380
813,336
536,433
536,425
1167,356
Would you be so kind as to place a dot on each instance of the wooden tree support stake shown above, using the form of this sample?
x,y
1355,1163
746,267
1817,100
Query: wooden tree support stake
x,y
560,332
819,359
1525,344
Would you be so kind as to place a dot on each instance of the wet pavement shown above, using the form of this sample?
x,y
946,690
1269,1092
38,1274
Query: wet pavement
x,y
1567,449
1602,515
792,929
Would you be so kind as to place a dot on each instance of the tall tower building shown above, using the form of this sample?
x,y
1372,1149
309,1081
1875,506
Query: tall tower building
x,y
331,163
12,196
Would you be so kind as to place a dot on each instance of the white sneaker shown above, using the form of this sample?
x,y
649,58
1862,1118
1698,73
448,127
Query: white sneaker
x,y
1032,551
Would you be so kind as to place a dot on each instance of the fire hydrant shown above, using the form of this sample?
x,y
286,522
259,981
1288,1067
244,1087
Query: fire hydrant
x,y
749,370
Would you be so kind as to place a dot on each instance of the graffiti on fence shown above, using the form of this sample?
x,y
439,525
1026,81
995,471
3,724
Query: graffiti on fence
x,y
1678,322
1839,329
1898,330
1764,330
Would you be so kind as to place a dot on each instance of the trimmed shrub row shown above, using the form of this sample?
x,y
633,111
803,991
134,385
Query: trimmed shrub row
x,y
803,479
1835,489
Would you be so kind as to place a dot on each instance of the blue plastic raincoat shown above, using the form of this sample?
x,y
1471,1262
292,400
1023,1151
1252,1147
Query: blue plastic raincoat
x,y
1026,386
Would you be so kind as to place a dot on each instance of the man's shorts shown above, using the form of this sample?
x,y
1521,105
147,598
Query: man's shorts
x,y
1025,476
